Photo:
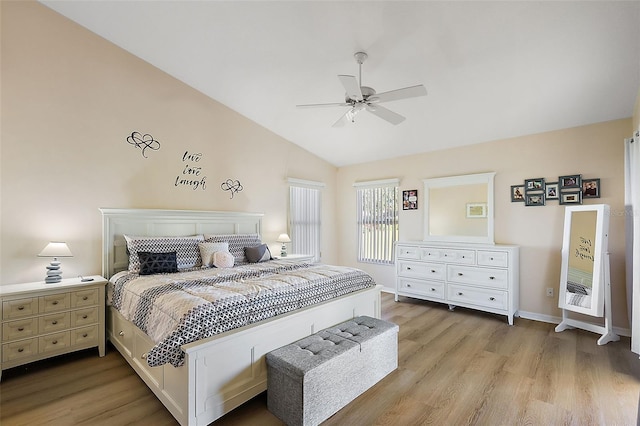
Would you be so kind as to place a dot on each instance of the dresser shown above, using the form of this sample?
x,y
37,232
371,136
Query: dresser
x,y
43,320
476,276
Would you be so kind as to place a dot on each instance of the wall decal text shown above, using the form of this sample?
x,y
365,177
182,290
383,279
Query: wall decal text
x,y
191,174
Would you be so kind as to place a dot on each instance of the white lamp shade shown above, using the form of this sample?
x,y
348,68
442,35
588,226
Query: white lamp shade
x,y
56,249
283,238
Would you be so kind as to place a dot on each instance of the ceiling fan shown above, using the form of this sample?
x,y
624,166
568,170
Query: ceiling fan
x,y
359,98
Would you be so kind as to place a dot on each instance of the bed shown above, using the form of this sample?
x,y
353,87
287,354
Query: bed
x,y
210,372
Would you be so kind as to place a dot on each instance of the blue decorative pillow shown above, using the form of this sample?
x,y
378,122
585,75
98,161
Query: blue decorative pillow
x,y
157,263
257,254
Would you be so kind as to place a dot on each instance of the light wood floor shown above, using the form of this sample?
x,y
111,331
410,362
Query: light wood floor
x,y
455,368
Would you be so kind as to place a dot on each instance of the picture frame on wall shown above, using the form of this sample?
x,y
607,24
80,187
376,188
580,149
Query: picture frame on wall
x,y
590,188
410,199
476,210
571,197
536,184
570,181
552,191
517,193
536,199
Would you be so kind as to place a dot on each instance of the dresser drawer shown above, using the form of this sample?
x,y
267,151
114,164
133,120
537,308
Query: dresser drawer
x,y
493,258
54,302
84,335
487,298
54,322
19,308
84,317
84,298
19,329
54,342
142,348
21,349
485,277
431,289
405,252
431,253
466,257
426,270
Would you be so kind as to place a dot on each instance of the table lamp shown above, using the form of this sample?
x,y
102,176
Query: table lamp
x,y
283,238
55,249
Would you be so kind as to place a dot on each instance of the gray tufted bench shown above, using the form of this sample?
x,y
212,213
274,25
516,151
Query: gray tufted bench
x,y
311,379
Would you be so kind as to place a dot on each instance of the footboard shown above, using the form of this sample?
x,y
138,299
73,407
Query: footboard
x,y
222,372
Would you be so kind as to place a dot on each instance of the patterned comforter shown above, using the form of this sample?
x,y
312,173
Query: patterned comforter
x,y
180,308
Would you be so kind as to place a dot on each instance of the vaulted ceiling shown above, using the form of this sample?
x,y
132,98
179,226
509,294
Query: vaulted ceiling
x,y
492,70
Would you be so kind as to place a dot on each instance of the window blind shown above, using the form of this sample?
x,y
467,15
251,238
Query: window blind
x,y
377,216
304,218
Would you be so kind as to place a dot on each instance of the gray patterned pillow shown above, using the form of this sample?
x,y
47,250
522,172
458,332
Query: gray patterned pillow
x,y
257,254
237,243
157,263
186,248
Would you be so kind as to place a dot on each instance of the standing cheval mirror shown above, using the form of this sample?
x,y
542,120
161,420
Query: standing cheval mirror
x,y
584,276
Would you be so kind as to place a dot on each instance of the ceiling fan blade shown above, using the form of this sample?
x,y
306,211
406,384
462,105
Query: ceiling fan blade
x,y
394,95
386,114
351,86
342,120
323,105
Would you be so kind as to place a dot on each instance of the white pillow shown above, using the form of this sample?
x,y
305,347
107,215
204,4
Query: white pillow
x,y
223,259
207,250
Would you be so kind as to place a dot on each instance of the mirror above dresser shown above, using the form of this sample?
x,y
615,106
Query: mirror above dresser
x,y
459,208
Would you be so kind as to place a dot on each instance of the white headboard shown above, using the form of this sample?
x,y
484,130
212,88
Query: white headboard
x,y
173,223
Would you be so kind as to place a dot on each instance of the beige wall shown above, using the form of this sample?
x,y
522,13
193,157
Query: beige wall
x,y
69,101
595,151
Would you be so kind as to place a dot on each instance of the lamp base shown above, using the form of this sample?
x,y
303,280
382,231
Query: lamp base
x,y
283,251
54,273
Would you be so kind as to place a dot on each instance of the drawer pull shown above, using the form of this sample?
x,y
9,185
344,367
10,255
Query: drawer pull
x,y
408,268
54,322
85,298
459,274
408,285
121,333
21,308
20,328
20,349
433,289
433,271
84,335
55,302
459,293
492,278
143,356
55,342
84,317
492,298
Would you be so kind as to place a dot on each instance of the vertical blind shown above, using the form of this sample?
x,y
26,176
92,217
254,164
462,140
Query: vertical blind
x,y
377,217
304,219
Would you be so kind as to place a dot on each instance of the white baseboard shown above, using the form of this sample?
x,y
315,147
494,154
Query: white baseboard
x,y
556,320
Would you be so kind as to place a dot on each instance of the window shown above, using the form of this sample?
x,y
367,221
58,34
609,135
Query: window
x,y
304,217
377,215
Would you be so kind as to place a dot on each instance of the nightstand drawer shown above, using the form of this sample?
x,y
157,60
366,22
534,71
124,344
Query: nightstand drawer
x,y
54,342
20,349
84,336
19,308
84,298
54,302
54,322
19,329
84,317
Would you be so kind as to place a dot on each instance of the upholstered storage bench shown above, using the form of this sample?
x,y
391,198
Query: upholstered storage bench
x,y
311,379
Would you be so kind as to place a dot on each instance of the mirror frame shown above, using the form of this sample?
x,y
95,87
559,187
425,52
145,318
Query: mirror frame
x,y
600,248
448,181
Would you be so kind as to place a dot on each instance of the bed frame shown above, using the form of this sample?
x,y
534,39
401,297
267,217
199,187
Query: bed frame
x,y
224,371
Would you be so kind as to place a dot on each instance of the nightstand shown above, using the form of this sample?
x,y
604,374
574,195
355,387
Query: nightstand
x,y
296,257
44,320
